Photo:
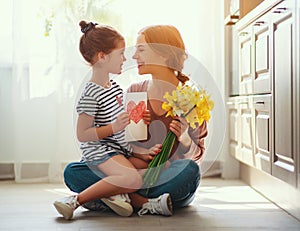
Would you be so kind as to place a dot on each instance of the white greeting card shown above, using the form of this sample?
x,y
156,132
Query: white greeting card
x,y
135,105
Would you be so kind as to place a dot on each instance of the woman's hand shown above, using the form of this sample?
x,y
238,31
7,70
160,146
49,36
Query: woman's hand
x,y
147,117
121,122
179,127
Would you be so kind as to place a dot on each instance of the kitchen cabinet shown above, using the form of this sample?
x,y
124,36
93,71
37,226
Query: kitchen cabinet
x,y
264,116
234,128
262,105
264,133
237,9
284,61
247,130
245,57
254,65
250,130
241,129
261,55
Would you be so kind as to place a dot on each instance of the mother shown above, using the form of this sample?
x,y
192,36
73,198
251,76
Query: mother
x,y
160,52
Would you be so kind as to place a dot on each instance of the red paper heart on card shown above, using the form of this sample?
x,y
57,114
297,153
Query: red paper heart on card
x,y
136,111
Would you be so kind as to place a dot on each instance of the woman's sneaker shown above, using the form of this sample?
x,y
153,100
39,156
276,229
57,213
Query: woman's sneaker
x,y
161,205
120,204
66,206
96,205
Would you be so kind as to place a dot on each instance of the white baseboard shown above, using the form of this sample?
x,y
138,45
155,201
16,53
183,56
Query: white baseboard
x,y
279,192
32,172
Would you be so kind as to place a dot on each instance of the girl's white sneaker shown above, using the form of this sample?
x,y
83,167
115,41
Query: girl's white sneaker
x,y
161,205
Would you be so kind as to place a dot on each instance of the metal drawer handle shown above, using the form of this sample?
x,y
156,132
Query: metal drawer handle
x,y
280,10
243,33
259,23
260,102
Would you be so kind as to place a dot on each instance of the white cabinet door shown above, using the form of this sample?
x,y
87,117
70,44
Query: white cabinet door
x,y
234,128
261,56
263,132
283,52
245,57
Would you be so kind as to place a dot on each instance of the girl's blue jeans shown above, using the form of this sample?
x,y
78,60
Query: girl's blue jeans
x,y
181,180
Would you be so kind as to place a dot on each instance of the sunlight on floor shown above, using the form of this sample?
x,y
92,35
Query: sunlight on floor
x,y
60,191
237,197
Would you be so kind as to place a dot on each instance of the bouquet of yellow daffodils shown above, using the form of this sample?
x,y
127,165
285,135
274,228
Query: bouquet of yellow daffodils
x,y
189,103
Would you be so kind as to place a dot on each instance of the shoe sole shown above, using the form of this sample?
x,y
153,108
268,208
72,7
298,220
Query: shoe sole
x,y
63,210
121,208
167,208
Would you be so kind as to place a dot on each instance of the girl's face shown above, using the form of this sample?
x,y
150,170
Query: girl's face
x,y
116,58
146,58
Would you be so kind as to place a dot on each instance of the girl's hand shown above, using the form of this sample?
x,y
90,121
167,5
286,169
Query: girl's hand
x,y
155,149
147,117
179,127
147,154
121,122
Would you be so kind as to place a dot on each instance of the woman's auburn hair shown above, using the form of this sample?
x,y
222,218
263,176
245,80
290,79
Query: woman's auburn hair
x,y
166,40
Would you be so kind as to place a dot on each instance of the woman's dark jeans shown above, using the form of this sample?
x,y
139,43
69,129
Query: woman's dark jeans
x,y
181,180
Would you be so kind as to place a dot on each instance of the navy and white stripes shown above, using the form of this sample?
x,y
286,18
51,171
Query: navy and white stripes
x,y
103,104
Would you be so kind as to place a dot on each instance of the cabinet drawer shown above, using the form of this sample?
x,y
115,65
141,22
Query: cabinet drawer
x,y
283,32
263,132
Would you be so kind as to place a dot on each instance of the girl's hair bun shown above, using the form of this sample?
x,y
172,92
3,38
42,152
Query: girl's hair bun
x,y
85,26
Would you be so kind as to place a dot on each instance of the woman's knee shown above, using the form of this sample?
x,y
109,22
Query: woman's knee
x,y
188,167
78,176
68,173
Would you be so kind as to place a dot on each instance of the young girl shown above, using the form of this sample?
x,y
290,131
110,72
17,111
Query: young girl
x,y
101,123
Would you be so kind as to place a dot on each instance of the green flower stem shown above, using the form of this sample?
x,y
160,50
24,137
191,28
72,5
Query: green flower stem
x,y
189,111
159,161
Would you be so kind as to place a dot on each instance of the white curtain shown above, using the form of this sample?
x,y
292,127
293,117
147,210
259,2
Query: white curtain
x,y
46,73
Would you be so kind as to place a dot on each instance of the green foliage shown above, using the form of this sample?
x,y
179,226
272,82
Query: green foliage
x,y
48,25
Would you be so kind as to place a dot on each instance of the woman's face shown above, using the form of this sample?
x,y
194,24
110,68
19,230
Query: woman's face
x,y
146,58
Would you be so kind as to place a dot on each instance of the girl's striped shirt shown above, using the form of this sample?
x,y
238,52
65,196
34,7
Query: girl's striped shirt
x,y
104,105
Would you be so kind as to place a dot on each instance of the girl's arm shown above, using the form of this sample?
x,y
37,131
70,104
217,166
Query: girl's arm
x,y
141,157
145,154
86,131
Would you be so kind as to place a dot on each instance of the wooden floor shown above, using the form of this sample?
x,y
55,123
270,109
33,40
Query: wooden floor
x,y
223,205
